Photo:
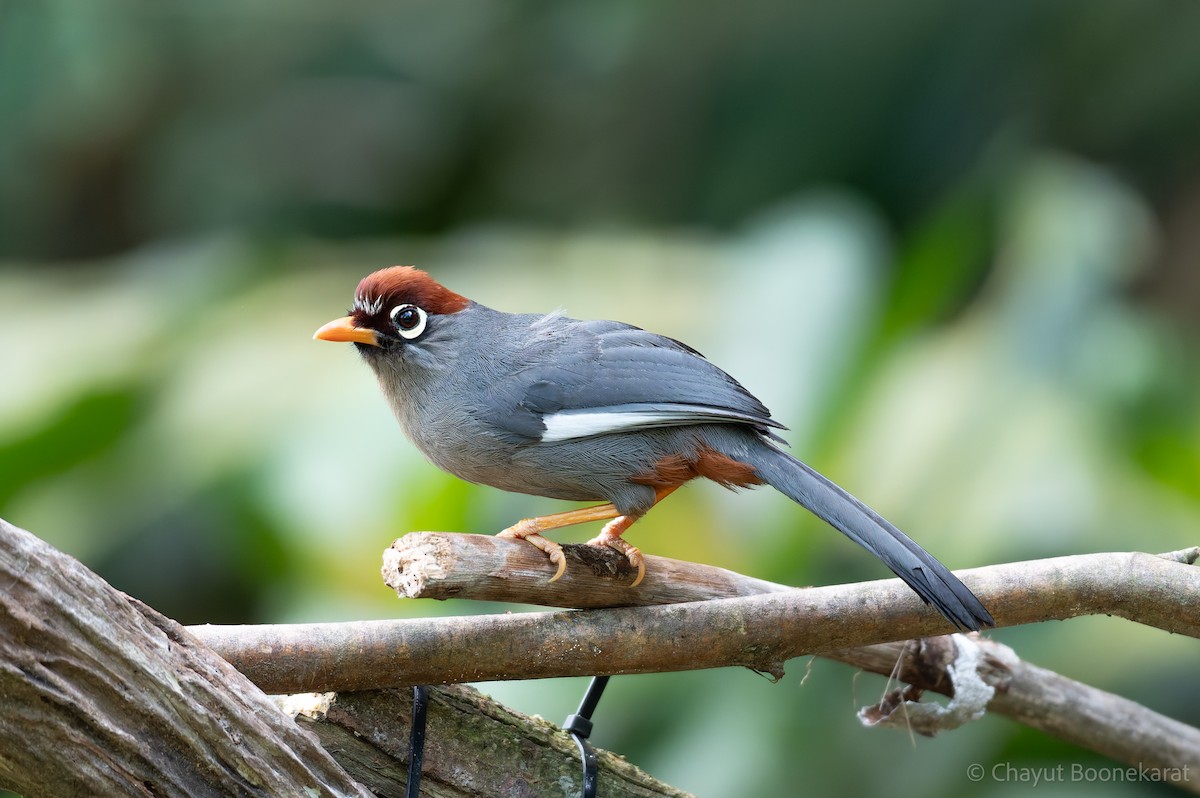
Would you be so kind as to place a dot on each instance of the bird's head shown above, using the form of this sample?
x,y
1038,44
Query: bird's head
x,y
395,311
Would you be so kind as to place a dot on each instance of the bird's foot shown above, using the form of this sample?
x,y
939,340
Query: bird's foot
x,y
610,537
529,531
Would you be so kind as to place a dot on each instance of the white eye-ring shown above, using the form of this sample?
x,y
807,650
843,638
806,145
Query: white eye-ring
x,y
410,320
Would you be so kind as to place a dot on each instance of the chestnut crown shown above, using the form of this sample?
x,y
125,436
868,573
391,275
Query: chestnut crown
x,y
401,298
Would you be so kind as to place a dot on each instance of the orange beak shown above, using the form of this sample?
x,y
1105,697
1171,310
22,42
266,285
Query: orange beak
x,y
343,330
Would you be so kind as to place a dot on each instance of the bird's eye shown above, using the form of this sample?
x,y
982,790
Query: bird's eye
x,y
409,320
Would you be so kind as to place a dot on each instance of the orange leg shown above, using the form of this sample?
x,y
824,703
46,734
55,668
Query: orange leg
x,y
530,529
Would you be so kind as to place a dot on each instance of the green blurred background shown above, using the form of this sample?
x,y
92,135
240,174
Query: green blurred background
x,y
951,245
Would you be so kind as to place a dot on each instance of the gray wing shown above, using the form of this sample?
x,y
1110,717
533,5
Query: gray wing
x,y
578,379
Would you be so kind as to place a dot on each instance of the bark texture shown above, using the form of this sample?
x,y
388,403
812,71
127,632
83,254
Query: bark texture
x,y
104,696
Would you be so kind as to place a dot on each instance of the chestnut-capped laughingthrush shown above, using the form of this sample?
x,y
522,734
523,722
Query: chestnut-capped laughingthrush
x,y
593,411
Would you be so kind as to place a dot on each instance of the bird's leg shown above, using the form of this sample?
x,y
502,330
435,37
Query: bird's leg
x,y
610,536
531,529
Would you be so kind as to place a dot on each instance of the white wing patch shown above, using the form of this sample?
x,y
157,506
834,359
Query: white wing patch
x,y
565,426
568,424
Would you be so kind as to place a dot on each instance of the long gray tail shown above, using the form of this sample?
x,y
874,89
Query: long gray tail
x,y
931,580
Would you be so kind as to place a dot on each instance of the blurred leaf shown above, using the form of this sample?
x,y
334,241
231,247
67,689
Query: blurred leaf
x,y
942,264
84,429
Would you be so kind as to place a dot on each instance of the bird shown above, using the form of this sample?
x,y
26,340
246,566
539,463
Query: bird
x,y
585,411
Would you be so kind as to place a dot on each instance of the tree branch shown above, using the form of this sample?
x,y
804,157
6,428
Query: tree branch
x,y
1042,699
1161,591
442,565
104,696
474,746
757,631
476,567
438,565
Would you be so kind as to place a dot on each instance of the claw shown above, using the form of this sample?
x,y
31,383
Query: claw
x,y
557,558
637,561
613,540
527,530
531,529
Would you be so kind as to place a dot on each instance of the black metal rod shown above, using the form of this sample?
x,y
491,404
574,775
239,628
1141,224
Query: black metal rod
x,y
416,741
591,769
579,726
592,697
